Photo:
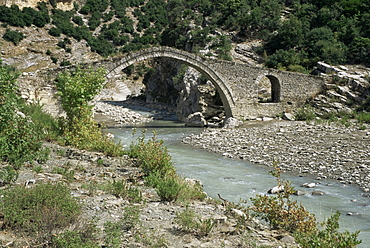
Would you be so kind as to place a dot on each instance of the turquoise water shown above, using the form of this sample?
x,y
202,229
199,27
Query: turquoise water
x,y
238,180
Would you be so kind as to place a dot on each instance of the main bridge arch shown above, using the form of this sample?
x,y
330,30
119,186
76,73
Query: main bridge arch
x,y
120,62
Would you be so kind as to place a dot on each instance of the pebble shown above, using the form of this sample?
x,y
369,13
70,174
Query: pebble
x,y
326,151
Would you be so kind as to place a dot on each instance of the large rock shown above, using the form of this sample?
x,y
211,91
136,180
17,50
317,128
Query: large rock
x,y
231,122
195,120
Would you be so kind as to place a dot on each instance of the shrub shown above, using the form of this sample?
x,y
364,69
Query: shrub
x,y
76,89
46,126
329,236
190,222
152,156
78,20
169,188
20,140
283,212
363,117
156,162
56,32
76,239
39,210
13,36
305,113
121,189
8,175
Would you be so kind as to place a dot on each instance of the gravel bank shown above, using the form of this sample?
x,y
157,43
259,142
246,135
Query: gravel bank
x,y
326,151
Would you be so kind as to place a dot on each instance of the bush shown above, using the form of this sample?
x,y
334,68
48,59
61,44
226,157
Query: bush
x,y
192,223
56,32
76,89
39,210
281,212
156,162
20,140
76,239
305,113
152,156
13,36
329,236
121,189
363,117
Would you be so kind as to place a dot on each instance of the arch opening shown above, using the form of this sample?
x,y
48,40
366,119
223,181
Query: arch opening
x,y
268,89
190,60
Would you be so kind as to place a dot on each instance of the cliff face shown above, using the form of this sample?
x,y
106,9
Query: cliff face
x,y
61,4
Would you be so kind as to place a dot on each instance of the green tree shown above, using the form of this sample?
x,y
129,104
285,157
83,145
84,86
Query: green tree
x,y
360,50
19,140
76,89
13,36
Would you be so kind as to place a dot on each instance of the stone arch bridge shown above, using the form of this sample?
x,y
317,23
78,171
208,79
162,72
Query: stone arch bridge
x,y
236,83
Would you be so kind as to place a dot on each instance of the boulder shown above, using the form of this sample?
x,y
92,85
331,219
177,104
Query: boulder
x,y
195,120
325,67
276,189
318,192
231,122
288,116
309,185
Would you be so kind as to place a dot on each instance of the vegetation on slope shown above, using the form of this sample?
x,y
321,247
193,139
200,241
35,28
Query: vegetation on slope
x,y
190,25
296,34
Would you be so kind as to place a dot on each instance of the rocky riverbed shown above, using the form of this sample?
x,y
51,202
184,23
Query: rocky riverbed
x,y
326,151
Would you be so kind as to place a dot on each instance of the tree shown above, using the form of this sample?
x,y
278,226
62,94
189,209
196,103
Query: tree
x,y
13,36
77,88
360,50
19,141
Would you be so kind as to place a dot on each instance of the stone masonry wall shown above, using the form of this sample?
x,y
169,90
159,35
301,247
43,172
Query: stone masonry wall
x,y
237,83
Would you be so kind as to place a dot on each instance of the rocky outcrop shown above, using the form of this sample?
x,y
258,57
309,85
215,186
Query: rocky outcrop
x,y
199,95
347,88
189,93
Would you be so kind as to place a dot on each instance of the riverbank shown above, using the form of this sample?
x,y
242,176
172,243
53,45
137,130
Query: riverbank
x,y
325,151
88,175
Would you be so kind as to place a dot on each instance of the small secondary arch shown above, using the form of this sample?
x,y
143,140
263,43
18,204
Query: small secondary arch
x,y
195,61
274,90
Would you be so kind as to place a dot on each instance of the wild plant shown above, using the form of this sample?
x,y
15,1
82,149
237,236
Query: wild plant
x,y
84,237
20,140
305,113
156,162
191,222
8,175
327,235
152,155
131,193
39,210
281,212
76,89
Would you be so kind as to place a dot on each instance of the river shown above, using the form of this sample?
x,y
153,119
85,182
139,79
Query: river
x,y
237,180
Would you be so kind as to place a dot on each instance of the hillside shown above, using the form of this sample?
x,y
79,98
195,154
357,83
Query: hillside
x,y
124,204
295,35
